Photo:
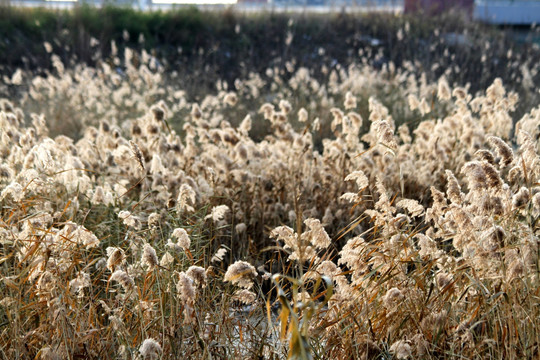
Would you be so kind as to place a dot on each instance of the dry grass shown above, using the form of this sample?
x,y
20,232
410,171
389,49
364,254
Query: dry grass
x,y
167,228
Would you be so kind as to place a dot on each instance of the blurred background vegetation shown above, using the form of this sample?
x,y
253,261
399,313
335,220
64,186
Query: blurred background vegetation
x,y
205,51
230,45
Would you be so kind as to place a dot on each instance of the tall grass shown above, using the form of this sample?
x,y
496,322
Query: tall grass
x,y
375,214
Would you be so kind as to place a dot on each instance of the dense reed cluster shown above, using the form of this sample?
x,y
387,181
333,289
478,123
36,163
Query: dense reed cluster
x,y
372,215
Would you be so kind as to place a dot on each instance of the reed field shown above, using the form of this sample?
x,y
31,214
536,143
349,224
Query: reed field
x,y
368,210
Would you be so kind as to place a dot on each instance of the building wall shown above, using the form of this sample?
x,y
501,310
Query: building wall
x,y
434,7
511,12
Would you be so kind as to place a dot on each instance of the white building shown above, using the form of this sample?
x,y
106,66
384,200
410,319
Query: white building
x,y
511,12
